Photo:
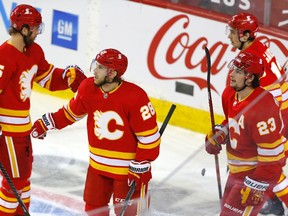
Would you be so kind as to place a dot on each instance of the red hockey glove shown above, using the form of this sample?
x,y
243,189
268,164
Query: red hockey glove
x,y
253,192
74,76
40,126
213,142
140,172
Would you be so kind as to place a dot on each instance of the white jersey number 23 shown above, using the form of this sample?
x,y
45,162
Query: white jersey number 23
x,y
264,128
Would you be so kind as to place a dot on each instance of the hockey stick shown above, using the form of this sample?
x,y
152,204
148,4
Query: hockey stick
x,y
26,213
213,120
133,185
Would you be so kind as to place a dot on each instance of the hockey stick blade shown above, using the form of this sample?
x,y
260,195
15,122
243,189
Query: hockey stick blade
x,y
208,57
5,174
133,185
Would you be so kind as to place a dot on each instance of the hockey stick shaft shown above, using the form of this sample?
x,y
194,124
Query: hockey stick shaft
x,y
208,57
133,185
5,174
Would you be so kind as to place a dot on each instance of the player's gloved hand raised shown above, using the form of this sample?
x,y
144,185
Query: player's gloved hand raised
x,y
213,142
74,76
42,125
140,172
253,192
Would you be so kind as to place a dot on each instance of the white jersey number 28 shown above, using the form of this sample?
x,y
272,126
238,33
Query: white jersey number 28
x,y
147,111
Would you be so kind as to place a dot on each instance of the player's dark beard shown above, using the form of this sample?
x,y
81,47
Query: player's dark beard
x,y
103,82
28,40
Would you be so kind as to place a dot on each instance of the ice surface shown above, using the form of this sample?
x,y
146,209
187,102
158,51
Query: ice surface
x,y
177,188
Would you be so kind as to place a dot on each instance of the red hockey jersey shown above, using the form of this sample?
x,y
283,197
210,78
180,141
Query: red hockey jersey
x,y
18,70
121,126
274,76
255,131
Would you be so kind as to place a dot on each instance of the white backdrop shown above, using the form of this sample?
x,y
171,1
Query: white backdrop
x,y
164,46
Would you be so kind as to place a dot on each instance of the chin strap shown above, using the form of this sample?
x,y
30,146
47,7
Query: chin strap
x,y
244,86
241,88
242,44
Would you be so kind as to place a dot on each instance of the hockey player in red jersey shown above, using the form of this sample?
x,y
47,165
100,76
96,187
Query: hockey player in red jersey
x,y
22,62
254,143
243,28
122,133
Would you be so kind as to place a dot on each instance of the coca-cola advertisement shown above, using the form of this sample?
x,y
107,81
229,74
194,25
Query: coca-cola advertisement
x,y
166,52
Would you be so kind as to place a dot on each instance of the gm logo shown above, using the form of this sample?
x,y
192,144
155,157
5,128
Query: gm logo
x,y
65,29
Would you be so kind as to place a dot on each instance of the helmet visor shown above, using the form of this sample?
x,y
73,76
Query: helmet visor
x,y
235,67
39,28
93,66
